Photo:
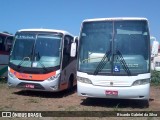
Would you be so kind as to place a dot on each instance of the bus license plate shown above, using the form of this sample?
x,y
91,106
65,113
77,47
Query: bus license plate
x,y
29,86
111,92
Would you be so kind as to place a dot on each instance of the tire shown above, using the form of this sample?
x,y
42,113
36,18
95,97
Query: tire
x,y
70,83
145,103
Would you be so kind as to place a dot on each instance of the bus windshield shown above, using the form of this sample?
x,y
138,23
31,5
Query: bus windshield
x,y
36,50
120,47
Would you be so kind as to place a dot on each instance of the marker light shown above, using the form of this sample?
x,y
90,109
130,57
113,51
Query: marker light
x,y
53,77
11,75
84,80
141,82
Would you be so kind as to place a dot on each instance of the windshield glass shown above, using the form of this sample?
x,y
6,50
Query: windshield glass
x,y
114,47
36,50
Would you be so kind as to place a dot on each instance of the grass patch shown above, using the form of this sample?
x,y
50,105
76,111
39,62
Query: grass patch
x,y
32,100
71,108
12,98
155,78
116,108
5,108
60,106
3,80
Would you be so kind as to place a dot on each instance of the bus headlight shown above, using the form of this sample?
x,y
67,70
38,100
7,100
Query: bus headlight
x,y
84,80
53,77
141,82
11,75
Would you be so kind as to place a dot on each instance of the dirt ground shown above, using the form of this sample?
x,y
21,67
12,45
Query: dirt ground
x,y
12,99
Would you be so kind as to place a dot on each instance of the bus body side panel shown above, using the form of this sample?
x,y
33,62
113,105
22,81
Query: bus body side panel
x,y
68,65
66,74
3,70
4,65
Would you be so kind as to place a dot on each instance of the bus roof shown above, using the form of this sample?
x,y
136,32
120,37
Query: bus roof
x,y
114,19
45,30
5,34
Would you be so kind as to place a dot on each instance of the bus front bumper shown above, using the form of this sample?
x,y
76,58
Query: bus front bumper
x,y
45,85
139,92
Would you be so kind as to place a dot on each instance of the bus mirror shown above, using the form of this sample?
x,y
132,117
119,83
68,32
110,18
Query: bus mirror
x,y
73,49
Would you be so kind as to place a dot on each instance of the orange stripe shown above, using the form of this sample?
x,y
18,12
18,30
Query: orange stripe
x,y
32,76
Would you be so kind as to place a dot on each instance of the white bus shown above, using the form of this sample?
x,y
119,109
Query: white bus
x,y
114,59
6,41
40,60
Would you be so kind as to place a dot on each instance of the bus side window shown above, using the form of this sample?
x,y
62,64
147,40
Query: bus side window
x,y
8,44
67,44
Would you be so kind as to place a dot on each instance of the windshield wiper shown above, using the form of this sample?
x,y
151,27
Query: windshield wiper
x,y
38,56
102,63
43,66
24,59
122,61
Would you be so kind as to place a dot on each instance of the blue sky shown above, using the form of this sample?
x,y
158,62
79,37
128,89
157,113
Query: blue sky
x,y
68,14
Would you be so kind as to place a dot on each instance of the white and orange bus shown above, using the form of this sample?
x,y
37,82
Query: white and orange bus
x,y
6,41
41,60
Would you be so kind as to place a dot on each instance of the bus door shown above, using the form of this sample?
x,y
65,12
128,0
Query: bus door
x,y
65,74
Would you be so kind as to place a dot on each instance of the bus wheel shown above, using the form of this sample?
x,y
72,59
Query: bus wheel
x,y
70,83
145,103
